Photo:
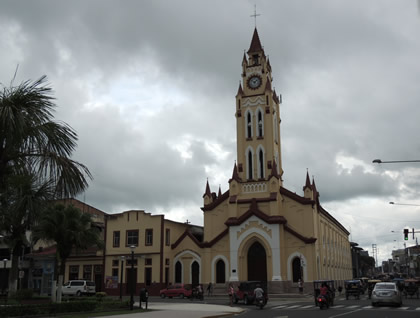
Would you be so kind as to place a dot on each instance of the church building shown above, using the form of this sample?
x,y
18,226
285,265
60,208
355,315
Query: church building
x,y
257,230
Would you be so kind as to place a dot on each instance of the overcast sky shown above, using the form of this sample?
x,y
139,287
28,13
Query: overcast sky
x,y
150,88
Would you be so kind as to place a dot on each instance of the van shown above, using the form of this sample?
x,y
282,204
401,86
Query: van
x,y
78,288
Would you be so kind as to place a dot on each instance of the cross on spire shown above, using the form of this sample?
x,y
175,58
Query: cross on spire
x,y
255,15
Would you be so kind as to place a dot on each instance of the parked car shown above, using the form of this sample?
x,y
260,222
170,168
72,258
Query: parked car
x,y
78,288
177,290
245,292
386,293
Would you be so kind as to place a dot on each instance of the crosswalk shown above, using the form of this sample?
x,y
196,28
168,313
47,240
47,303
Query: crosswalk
x,y
343,307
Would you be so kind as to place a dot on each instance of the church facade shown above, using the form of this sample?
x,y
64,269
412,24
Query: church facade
x,y
257,230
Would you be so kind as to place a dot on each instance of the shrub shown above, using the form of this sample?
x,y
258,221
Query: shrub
x,y
100,296
22,294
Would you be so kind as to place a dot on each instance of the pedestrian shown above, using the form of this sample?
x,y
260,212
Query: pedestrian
x,y
210,290
231,292
300,285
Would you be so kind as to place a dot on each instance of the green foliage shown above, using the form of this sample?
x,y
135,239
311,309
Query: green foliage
x,y
100,296
22,294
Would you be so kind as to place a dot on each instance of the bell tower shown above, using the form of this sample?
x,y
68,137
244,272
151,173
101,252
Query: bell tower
x,y
257,118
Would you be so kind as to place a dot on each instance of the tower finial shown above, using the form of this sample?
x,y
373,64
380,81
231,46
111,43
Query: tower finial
x,y
255,15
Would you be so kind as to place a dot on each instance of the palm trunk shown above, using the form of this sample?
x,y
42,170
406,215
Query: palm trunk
x,y
60,279
14,271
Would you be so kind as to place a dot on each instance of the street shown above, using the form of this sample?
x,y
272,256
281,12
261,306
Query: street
x,y
304,307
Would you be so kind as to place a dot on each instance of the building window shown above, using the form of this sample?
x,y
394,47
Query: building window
x,y
167,261
248,125
116,239
148,261
260,129
261,164
115,272
73,272
149,237
128,263
132,238
87,272
250,168
115,262
168,237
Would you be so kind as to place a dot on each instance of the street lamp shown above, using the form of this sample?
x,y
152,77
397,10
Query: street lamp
x,y
409,204
5,276
122,273
132,247
393,161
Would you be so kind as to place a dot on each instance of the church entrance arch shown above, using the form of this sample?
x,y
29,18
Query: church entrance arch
x,y
178,272
257,262
195,274
220,272
296,269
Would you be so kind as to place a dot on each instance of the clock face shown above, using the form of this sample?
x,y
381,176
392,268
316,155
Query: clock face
x,y
254,82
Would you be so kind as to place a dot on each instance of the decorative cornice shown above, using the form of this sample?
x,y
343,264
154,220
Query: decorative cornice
x,y
187,233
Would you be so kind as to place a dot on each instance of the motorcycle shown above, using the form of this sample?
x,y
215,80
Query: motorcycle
x,y
322,302
259,302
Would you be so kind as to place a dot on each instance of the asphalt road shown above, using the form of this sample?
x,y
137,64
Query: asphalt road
x,y
305,307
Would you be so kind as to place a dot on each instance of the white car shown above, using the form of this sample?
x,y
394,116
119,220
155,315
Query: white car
x,y
386,293
78,288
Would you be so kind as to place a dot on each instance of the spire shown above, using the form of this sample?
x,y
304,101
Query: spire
x,y
308,182
268,85
220,192
240,91
316,193
244,61
235,174
255,43
208,192
274,170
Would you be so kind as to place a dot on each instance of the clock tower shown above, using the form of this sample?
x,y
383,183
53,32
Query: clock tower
x,y
257,118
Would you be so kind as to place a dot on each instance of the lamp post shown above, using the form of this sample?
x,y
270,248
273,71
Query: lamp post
x,y
132,247
122,273
5,278
393,161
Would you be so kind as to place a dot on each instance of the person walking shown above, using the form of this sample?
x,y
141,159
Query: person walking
x,y
210,289
300,286
231,292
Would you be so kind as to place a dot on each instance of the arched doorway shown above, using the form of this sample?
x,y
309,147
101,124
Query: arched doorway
x,y
178,272
257,262
220,272
296,269
195,273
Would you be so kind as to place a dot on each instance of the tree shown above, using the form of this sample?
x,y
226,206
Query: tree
x,y
35,153
70,229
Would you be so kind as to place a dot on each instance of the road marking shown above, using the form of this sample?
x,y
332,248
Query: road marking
x,y
352,307
308,306
404,308
346,313
418,308
279,307
367,307
294,306
338,306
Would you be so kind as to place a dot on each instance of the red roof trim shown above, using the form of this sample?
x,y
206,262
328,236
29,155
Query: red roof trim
x,y
198,243
216,202
307,240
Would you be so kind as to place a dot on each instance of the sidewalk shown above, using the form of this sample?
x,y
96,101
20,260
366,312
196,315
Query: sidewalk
x,y
184,310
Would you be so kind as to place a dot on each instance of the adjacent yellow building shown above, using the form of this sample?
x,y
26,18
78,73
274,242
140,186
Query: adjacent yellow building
x,y
257,230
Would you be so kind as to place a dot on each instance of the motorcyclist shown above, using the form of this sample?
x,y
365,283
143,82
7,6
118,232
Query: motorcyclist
x,y
324,291
259,293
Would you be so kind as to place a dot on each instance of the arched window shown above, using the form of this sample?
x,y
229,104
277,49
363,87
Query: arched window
x,y
275,128
260,126
250,168
248,125
261,164
178,272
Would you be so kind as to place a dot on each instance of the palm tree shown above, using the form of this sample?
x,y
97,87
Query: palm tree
x,y
34,150
69,228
